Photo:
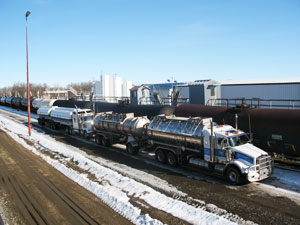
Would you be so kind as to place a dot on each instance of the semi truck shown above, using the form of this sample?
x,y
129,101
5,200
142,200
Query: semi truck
x,y
73,120
180,140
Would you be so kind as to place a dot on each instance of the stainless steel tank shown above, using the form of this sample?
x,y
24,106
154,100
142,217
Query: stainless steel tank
x,y
124,123
181,131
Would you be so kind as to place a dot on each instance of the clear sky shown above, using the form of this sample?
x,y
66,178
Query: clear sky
x,y
149,41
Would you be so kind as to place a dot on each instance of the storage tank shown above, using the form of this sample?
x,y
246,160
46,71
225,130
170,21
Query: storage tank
x,y
178,130
124,124
37,103
45,111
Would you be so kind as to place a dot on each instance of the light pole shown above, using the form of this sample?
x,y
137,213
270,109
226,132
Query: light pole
x,y
28,93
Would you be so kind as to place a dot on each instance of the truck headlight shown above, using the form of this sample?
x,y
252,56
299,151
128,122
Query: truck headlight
x,y
252,169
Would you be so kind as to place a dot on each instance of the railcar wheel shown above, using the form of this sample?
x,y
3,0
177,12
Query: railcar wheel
x,y
233,176
131,150
171,158
160,156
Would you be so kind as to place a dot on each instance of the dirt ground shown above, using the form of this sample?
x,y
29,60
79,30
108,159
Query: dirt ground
x,y
33,192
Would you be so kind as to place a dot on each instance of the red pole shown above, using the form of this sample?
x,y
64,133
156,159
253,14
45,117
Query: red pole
x,y
28,93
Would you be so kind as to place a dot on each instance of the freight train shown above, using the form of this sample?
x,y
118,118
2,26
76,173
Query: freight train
x,y
274,130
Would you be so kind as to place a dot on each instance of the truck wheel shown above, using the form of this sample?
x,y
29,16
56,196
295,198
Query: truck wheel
x,y
81,132
67,130
85,135
98,140
171,157
131,150
106,142
233,176
160,156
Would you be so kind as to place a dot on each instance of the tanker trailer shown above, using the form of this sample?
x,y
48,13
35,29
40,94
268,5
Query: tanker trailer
x,y
111,128
179,140
72,120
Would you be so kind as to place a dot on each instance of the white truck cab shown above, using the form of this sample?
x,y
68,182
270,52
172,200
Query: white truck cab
x,y
232,148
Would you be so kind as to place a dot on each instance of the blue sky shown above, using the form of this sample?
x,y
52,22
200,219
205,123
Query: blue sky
x,y
149,41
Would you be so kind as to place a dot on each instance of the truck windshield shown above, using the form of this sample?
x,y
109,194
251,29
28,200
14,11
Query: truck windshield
x,y
88,118
238,140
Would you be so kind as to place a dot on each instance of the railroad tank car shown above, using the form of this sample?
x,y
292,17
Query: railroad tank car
x,y
73,104
8,101
275,130
24,103
139,110
16,103
2,100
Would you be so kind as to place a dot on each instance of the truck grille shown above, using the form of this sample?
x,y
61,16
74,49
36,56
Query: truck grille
x,y
264,163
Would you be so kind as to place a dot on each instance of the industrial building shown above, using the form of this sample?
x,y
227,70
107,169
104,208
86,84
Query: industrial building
x,y
267,93
198,92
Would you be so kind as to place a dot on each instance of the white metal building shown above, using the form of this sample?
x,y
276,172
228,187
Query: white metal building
x,y
269,89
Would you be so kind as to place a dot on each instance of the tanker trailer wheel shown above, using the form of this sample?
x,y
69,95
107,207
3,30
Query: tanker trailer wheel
x,y
98,140
171,158
160,156
106,142
233,176
131,150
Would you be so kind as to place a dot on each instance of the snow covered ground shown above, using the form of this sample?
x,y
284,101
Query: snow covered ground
x,y
113,188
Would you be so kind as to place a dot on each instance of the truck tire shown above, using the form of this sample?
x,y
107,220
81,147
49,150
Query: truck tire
x,y
106,142
85,135
160,156
233,175
66,130
98,140
131,150
171,158
81,132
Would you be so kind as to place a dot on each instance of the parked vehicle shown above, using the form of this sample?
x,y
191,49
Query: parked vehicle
x,y
70,119
181,140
